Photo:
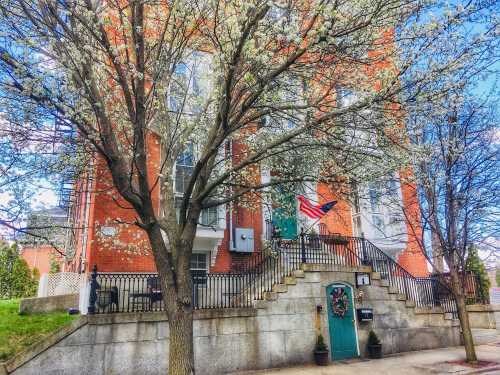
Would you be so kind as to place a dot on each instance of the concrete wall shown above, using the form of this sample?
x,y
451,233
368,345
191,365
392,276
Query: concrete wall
x,y
484,316
280,331
48,304
399,325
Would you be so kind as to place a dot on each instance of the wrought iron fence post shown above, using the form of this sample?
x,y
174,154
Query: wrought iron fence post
x,y
364,256
303,245
94,285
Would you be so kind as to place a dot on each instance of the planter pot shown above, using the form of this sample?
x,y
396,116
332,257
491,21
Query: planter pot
x,y
321,357
375,351
336,241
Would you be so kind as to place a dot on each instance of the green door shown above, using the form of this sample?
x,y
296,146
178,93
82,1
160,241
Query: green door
x,y
341,322
285,216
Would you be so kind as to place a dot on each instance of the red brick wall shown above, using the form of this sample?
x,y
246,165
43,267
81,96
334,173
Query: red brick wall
x,y
247,215
339,219
128,249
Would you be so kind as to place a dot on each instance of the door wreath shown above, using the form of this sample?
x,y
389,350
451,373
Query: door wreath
x,y
340,302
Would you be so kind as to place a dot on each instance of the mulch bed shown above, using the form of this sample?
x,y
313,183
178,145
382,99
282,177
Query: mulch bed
x,y
478,364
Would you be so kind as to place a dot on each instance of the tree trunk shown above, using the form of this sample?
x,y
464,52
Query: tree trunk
x,y
177,293
463,316
181,354
437,252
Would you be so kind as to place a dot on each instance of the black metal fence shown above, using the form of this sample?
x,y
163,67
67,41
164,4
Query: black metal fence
x,y
127,292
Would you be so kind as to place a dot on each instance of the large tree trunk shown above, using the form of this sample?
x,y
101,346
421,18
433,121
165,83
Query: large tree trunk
x,y
463,316
177,293
181,354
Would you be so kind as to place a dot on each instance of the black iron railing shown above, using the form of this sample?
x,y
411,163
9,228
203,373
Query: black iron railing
x,y
127,292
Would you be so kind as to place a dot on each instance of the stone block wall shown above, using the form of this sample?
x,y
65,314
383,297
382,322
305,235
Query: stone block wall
x,y
484,316
48,304
279,331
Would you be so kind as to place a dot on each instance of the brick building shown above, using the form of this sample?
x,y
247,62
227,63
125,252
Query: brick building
x,y
105,235
48,229
228,235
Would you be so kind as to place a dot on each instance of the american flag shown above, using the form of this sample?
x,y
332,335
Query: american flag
x,y
314,211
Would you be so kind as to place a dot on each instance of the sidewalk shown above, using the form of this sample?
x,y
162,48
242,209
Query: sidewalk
x,y
412,363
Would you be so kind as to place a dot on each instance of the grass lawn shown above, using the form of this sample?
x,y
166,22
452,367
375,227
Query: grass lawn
x,y
19,331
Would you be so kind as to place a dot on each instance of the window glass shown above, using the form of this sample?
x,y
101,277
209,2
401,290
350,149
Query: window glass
x,y
378,222
183,169
279,10
199,268
345,97
178,87
208,217
393,188
198,261
374,193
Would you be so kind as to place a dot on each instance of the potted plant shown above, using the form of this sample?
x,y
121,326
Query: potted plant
x,y
321,351
374,346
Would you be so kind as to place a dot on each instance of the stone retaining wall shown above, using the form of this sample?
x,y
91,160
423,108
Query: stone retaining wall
x,y
484,316
280,331
48,304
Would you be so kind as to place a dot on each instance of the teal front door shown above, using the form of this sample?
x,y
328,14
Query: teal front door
x,y
343,342
285,215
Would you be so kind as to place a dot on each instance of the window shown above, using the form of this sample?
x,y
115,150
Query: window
x,y
188,87
378,223
199,268
183,169
396,224
178,87
393,188
280,10
209,217
374,193
198,262
345,97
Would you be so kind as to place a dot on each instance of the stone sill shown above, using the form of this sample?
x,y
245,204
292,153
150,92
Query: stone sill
x,y
483,308
159,316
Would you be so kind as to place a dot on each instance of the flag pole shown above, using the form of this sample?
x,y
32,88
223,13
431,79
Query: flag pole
x,y
305,231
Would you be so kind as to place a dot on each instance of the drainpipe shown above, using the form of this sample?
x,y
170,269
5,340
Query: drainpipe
x,y
86,224
231,234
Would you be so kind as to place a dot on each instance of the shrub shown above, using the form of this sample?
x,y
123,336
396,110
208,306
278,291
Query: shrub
x,y
476,266
320,344
16,279
373,339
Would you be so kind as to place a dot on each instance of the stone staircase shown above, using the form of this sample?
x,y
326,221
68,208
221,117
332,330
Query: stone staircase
x,y
281,270
427,316
401,325
309,253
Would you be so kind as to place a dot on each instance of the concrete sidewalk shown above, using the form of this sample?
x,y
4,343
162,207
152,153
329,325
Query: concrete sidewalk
x,y
412,363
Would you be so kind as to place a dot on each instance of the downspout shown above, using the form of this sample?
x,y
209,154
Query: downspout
x,y
86,220
231,229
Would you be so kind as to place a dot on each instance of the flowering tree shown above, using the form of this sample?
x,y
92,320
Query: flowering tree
x,y
456,168
240,87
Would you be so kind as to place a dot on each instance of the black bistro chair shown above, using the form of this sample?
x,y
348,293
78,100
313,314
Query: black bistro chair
x,y
146,299
107,299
